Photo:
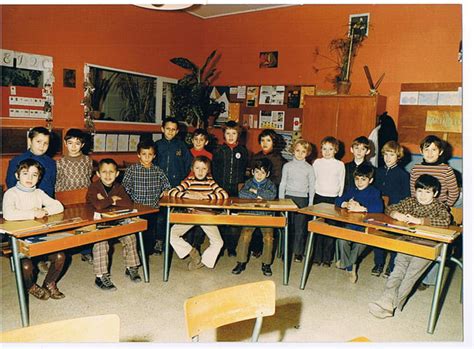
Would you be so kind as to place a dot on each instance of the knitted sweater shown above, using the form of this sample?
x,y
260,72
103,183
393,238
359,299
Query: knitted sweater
x,y
117,190
370,198
330,175
393,182
297,180
436,213
206,186
73,172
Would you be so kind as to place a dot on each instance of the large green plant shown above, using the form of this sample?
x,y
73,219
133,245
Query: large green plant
x,y
191,100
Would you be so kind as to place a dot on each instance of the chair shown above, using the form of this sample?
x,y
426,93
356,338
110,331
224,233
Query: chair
x,y
101,328
229,305
72,197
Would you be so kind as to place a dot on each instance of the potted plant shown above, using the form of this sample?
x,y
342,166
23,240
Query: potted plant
x,y
101,87
191,97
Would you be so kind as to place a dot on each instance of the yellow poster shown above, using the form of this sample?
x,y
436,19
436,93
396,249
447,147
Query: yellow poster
x,y
306,90
234,111
443,121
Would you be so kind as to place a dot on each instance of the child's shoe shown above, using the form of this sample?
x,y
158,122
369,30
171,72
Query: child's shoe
x,y
326,264
353,274
298,258
87,257
232,253
53,290
193,266
267,269
387,272
39,292
377,270
378,310
240,267
158,248
104,283
132,273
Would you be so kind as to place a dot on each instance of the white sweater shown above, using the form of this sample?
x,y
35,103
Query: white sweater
x,y
330,175
20,205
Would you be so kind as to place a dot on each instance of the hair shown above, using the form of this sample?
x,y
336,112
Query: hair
x,y
262,164
26,164
331,140
361,140
107,161
394,147
33,132
75,133
171,119
364,170
268,133
426,181
203,159
146,144
305,144
201,132
426,142
232,125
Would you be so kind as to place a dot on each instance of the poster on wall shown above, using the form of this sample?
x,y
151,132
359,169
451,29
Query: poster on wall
x,y
273,95
293,98
252,96
306,91
99,142
287,137
122,144
269,59
133,142
111,142
272,119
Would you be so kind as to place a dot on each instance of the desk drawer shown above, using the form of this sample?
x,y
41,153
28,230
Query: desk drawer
x,y
222,219
69,239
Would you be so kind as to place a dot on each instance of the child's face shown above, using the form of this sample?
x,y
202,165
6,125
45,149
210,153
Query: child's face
x,y
231,136
425,196
200,169
300,152
390,158
28,177
360,151
170,130
362,182
74,146
199,142
39,144
259,174
431,153
107,174
146,157
267,144
328,151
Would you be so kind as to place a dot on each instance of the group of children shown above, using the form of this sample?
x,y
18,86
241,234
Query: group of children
x,y
168,167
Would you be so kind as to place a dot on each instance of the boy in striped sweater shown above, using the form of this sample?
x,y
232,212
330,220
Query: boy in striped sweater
x,y
198,186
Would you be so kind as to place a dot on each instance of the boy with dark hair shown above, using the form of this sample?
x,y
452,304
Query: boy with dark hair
x,y
145,183
360,148
106,192
422,209
363,197
200,140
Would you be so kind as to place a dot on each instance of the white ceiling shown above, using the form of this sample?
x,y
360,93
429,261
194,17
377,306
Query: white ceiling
x,y
210,11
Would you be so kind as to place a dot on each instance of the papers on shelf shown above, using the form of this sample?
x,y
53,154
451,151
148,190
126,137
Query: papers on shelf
x,y
116,213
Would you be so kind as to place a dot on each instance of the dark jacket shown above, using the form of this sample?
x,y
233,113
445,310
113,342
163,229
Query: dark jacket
x,y
393,182
174,158
228,167
350,168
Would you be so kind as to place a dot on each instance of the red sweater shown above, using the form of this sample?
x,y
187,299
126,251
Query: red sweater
x,y
202,152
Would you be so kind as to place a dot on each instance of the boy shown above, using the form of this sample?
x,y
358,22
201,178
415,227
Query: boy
x,y
145,183
423,209
360,148
106,192
329,184
394,182
199,186
200,140
258,187
229,165
363,197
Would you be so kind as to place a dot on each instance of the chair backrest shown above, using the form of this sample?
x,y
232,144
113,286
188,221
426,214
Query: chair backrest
x,y
228,305
71,197
457,215
101,328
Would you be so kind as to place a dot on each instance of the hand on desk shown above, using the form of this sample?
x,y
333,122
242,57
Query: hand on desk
x,y
40,213
407,218
353,206
195,196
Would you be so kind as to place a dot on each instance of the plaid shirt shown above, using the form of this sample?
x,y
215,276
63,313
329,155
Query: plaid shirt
x,y
145,185
436,213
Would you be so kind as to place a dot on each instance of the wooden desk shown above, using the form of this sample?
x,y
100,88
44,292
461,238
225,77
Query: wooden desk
x,y
228,217
65,225
420,241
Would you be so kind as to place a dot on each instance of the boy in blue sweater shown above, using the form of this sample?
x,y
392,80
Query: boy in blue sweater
x,y
258,187
361,198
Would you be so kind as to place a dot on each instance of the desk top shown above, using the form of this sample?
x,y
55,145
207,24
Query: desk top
x,y
74,216
231,204
381,221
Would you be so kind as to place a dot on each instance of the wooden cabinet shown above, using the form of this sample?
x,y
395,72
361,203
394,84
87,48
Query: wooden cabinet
x,y
341,116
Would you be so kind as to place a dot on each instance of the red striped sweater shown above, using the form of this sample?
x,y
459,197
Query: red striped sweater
x,y
207,186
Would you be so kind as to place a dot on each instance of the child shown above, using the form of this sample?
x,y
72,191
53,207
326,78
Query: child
x,y
200,140
297,184
329,173
199,186
258,187
363,197
423,209
106,192
394,182
74,171
38,143
360,148
145,184
173,156
229,165
25,201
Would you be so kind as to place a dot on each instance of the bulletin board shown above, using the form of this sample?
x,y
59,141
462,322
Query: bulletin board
x,y
430,108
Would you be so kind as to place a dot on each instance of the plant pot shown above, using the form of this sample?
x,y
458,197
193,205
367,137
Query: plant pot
x,y
343,87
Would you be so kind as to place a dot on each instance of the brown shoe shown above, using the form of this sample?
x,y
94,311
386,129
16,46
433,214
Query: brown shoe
x,y
54,291
39,292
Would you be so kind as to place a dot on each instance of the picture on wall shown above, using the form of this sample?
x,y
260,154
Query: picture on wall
x,y
69,78
269,59
359,24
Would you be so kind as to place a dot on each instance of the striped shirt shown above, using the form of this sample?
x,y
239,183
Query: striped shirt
x,y
206,186
145,185
444,173
436,213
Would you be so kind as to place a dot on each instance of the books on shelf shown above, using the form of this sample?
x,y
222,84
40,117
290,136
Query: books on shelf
x,y
117,213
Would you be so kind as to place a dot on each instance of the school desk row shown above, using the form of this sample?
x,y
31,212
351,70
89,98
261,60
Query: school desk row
x,y
77,226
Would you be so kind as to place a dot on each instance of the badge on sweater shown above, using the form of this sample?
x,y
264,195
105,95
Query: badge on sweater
x,y
178,152
237,155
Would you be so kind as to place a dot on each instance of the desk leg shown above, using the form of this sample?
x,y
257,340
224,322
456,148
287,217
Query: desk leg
x,y
25,321
142,251
285,251
307,260
167,246
437,291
